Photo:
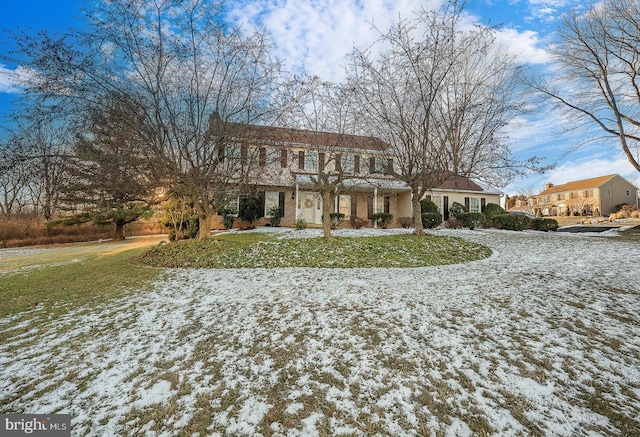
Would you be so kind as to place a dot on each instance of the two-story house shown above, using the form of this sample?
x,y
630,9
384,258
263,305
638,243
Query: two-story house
x,y
595,196
288,163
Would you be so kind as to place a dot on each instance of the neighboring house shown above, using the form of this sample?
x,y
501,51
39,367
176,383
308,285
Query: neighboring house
x,y
595,196
464,191
288,159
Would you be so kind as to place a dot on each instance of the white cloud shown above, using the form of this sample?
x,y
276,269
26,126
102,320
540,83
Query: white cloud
x,y
317,36
525,45
7,85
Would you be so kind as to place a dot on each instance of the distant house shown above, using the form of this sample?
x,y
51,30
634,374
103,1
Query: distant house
x,y
288,159
594,196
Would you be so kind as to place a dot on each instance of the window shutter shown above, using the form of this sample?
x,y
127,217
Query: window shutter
x,y
483,204
221,152
243,153
320,161
356,164
281,201
387,204
263,157
466,203
354,205
445,207
301,160
372,164
283,158
339,163
261,196
390,166
369,207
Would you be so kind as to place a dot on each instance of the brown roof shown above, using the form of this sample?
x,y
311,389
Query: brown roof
x,y
279,135
578,185
460,183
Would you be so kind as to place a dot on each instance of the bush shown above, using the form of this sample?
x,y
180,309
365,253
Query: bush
x,y
301,224
544,224
336,219
625,207
431,219
407,222
383,219
251,208
493,209
472,220
276,214
457,209
453,223
511,222
427,205
227,219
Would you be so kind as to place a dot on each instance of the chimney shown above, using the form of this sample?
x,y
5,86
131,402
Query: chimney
x,y
548,185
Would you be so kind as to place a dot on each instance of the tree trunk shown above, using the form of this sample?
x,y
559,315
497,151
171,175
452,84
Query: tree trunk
x,y
417,213
119,233
326,214
204,225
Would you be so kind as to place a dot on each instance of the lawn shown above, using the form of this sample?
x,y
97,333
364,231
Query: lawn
x,y
288,249
541,338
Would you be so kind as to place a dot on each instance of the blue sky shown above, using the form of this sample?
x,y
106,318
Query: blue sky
x,y
316,36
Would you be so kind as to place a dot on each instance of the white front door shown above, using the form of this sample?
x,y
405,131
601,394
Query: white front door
x,y
310,207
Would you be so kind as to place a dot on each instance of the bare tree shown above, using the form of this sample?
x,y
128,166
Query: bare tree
x,y
482,95
13,180
42,143
597,79
178,62
326,109
430,95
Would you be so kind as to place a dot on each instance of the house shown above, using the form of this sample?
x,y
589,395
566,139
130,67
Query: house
x,y
595,196
464,191
288,161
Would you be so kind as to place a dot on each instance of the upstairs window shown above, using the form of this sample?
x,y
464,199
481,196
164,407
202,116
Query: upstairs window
x,y
311,161
270,157
347,163
378,164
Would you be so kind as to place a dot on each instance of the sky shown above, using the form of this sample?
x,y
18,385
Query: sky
x,y
316,37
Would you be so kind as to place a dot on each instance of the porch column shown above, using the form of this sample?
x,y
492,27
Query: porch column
x,y
375,206
297,203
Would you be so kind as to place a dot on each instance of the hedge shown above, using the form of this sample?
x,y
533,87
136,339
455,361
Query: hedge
x,y
431,219
544,224
472,220
511,222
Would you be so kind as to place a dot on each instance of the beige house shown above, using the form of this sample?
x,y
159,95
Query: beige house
x,y
597,196
288,161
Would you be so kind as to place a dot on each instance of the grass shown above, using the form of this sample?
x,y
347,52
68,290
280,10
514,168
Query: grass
x,y
256,250
516,357
72,276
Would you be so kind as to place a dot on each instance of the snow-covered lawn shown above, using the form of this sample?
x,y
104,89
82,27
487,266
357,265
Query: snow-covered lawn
x,y
542,338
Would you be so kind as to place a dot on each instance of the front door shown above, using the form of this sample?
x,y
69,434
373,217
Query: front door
x,y
310,207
